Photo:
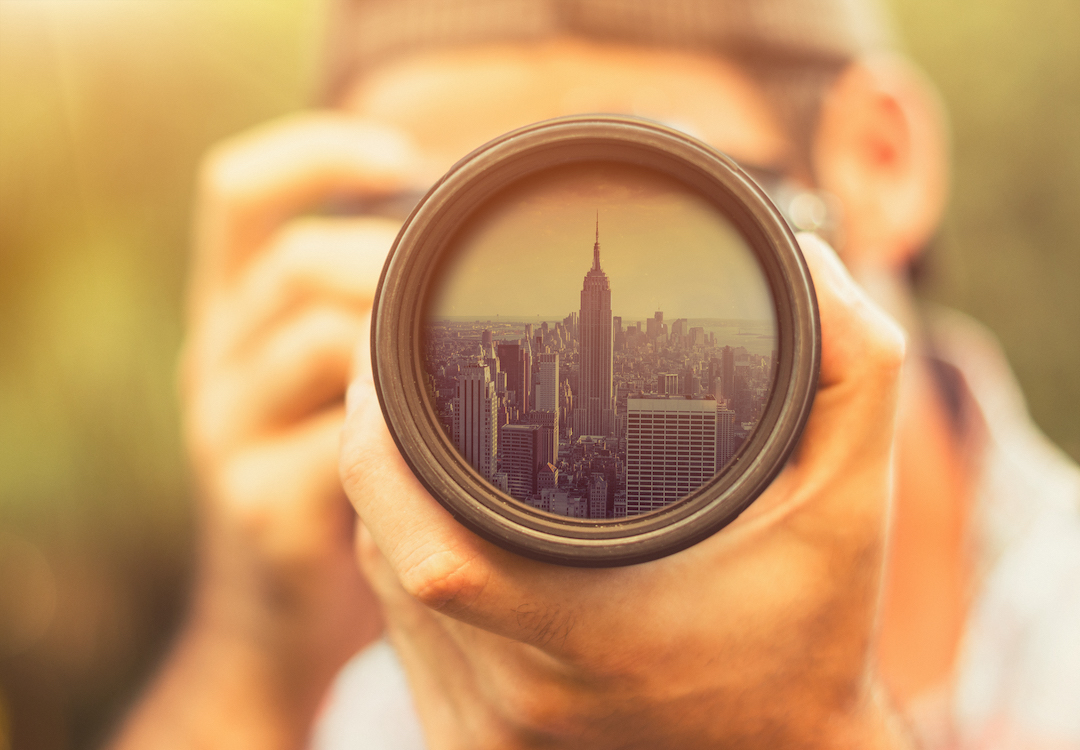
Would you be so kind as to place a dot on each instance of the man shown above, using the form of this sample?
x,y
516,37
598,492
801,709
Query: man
x,y
812,621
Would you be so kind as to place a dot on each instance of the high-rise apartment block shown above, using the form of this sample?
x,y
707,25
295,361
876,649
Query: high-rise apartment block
x,y
725,436
520,453
670,450
475,420
547,383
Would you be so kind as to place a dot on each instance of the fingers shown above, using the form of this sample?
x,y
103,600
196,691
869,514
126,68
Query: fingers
x,y
280,344
266,490
449,569
250,186
859,340
436,560
300,368
325,261
862,351
841,472
421,641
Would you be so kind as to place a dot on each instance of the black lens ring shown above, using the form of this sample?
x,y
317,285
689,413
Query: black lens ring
x,y
400,312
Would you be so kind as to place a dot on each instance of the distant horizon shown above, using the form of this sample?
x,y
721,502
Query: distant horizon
x,y
509,319
661,245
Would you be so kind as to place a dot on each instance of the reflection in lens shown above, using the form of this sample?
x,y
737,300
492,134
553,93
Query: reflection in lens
x,y
600,342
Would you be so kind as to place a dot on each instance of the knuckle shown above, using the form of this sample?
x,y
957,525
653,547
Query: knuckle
x,y
444,580
538,714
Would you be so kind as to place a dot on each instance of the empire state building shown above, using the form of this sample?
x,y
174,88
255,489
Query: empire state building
x,y
595,412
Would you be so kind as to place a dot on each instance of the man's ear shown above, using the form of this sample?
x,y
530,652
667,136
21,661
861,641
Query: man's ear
x,y
881,149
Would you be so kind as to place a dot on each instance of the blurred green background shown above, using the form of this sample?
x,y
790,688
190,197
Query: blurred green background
x,y
105,107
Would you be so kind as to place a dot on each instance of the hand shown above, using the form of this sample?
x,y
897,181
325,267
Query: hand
x,y
760,636
277,305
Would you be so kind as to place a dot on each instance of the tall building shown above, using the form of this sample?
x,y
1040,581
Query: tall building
x,y
566,408
667,383
598,496
547,383
527,376
520,458
595,408
654,326
570,323
725,436
512,361
713,386
549,434
689,382
475,421
670,450
742,398
546,413
727,374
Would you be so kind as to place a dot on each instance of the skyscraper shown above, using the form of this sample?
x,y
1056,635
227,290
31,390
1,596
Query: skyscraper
x,y
527,376
725,436
697,336
689,381
670,450
667,383
475,421
598,491
714,388
549,434
512,361
520,458
727,375
595,412
547,404
547,383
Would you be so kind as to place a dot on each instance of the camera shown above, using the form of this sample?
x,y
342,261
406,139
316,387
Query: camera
x,y
595,340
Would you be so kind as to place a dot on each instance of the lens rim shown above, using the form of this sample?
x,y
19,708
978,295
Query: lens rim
x,y
400,312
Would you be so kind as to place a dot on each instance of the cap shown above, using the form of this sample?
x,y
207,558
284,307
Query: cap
x,y
363,32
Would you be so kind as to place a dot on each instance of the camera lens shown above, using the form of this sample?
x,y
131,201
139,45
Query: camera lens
x,y
595,341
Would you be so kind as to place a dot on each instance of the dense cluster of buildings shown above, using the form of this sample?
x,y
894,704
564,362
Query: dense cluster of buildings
x,y
588,417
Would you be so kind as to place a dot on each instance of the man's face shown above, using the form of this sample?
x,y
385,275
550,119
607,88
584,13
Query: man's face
x,y
451,101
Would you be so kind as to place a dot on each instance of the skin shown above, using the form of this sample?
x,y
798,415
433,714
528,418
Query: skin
x,y
770,632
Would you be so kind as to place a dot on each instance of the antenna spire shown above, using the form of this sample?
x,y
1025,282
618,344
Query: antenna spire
x,y
596,247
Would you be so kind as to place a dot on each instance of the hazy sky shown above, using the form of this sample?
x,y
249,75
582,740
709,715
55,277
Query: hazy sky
x,y
662,247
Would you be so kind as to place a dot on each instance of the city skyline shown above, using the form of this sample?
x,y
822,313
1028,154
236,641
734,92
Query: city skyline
x,y
590,414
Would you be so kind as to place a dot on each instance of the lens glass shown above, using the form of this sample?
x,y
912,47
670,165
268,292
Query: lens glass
x,y
599,341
